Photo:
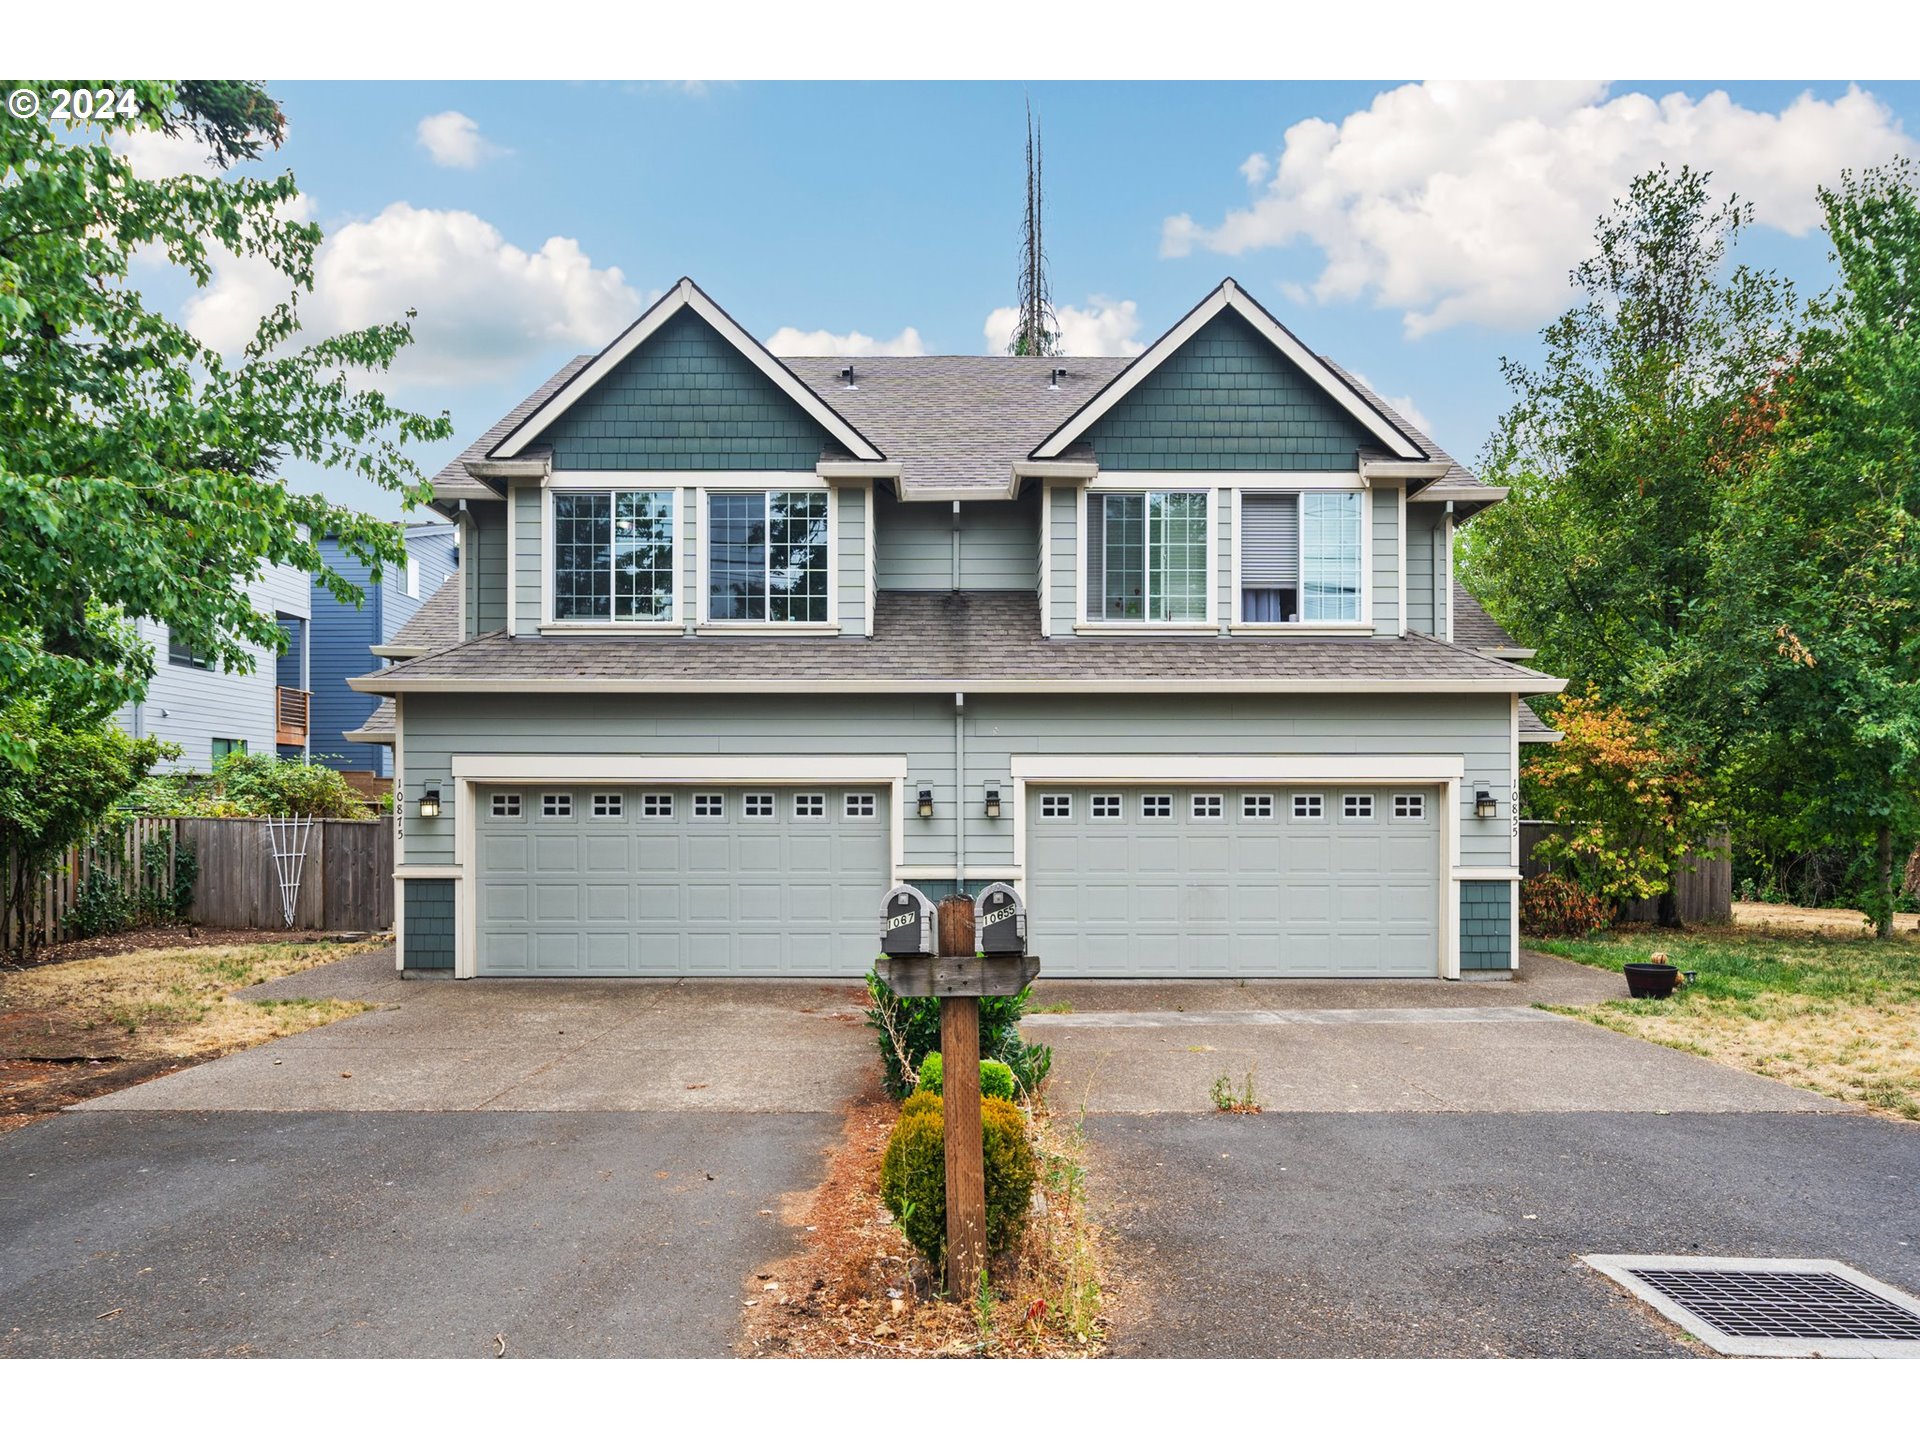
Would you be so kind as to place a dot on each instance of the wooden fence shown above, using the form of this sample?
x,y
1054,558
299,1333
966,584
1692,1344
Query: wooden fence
x,y
346,882
1702,886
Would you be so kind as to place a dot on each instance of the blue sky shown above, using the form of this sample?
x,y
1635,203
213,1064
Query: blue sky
x,y
1417,235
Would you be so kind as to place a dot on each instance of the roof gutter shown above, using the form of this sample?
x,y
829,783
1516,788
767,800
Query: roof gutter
x,y
389,682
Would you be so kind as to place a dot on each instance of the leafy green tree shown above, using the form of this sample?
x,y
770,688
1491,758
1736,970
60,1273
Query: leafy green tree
x,y
1618,448
247,784
138,466
79,774
1816,649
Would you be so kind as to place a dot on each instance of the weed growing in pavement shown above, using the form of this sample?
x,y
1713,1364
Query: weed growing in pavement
x,y
1231,1102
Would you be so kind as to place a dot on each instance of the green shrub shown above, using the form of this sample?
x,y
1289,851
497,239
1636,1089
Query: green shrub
x,y
101,906
996,1078
913,1173
915,1022
244,784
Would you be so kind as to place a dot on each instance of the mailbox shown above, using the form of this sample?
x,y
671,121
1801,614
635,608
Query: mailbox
x,y
906,923
1000,921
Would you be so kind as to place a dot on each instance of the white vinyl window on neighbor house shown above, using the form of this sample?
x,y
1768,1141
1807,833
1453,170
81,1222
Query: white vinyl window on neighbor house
x,y
1301,557
613,555
1148,557
767,556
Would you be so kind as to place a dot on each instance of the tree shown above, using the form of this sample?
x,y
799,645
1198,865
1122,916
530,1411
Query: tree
x,y
138,466
1627,805
1618,449
1036,331
79,774
1817,642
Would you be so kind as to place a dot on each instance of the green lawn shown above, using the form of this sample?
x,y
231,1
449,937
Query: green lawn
x,y
1835,1014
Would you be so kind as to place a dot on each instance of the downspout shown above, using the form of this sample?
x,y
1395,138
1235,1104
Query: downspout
x,y
959,783
956,546
1446,568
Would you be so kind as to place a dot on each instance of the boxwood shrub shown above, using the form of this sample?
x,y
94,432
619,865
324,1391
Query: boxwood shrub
x,y
913,1173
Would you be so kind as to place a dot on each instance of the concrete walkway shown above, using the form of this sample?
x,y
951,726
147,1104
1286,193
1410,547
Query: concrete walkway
x,y
1424,1046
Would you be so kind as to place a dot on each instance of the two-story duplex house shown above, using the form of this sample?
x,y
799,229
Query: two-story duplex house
x,y
1171,643
210,712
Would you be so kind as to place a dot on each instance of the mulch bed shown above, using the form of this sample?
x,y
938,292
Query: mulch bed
x,y
161,937
857,1288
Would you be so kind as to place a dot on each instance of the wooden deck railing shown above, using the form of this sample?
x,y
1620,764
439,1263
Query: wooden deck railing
x,y
290,716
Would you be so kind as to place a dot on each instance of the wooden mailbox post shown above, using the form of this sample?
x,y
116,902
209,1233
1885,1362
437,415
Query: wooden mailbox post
x,y
959,974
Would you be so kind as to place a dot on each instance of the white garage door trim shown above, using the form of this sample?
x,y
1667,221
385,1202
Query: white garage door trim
x,y
1444,771
473,771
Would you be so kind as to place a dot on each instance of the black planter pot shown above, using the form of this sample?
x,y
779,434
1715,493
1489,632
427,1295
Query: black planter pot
x,y
1651,982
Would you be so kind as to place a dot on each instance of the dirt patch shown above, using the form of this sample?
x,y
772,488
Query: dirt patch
x,y
857,1287
90,1025
1800,917
164,937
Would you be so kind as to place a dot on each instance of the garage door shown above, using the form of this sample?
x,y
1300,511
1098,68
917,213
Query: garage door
x,y
656,880
1152,881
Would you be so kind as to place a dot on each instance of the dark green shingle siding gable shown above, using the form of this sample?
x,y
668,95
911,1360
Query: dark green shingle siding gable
x,y
685,400
1227,400
426,924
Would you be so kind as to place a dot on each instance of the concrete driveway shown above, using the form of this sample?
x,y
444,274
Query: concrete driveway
x,y
577,1168
1431,1159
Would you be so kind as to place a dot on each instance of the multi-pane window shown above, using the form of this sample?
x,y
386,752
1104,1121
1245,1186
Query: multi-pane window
x,y
859,806
557,806
1106,807
709,807
1300,557
767,556
1056,807
179,654
608,806
1207,807
810,807
613,555
1147,556
1409,807
758,805
1356,807
1256,807
1307,807
1156,807
657,806
506,806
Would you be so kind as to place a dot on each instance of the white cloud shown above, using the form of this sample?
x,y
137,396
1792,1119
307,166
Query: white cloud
x,y
1103,327
789,341
1401,405
485,306
454,140
1468,203
156,155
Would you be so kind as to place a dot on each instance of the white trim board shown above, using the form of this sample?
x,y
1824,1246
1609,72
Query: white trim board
x,y
384,683
1228,295
684,296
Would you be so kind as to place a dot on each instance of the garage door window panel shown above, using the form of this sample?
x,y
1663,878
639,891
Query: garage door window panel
x,y
556,805
505,806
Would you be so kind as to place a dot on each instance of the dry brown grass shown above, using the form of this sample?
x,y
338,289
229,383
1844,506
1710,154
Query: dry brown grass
x,y
172,1002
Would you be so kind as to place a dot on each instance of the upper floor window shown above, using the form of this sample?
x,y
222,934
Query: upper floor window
x,y
1300,557
613,555
178,654
767,556
413,577
1147,556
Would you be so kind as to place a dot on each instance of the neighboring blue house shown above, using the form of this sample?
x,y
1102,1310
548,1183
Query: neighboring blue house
x,y
1172,643
343,635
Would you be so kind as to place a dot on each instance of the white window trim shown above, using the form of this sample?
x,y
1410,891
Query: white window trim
x,y
1133,485
603,481
770,481
1326,772
1279,483
879,772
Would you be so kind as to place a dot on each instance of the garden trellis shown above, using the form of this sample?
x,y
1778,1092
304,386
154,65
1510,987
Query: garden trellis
x,y
289,835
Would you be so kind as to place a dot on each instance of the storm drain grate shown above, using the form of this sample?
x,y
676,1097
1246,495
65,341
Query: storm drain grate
x,y
1772,1307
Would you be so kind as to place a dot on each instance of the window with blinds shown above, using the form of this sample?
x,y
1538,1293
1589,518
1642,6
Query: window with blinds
x,y
1300,557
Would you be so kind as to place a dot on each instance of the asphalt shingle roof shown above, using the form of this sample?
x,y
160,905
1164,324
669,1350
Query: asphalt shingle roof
x,y
1473,626
436,624
945,641
377,728
1457,474
456,482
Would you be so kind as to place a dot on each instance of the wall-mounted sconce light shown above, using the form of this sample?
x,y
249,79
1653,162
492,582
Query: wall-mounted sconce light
x,y
1483,805
925,807
993,802
430,805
